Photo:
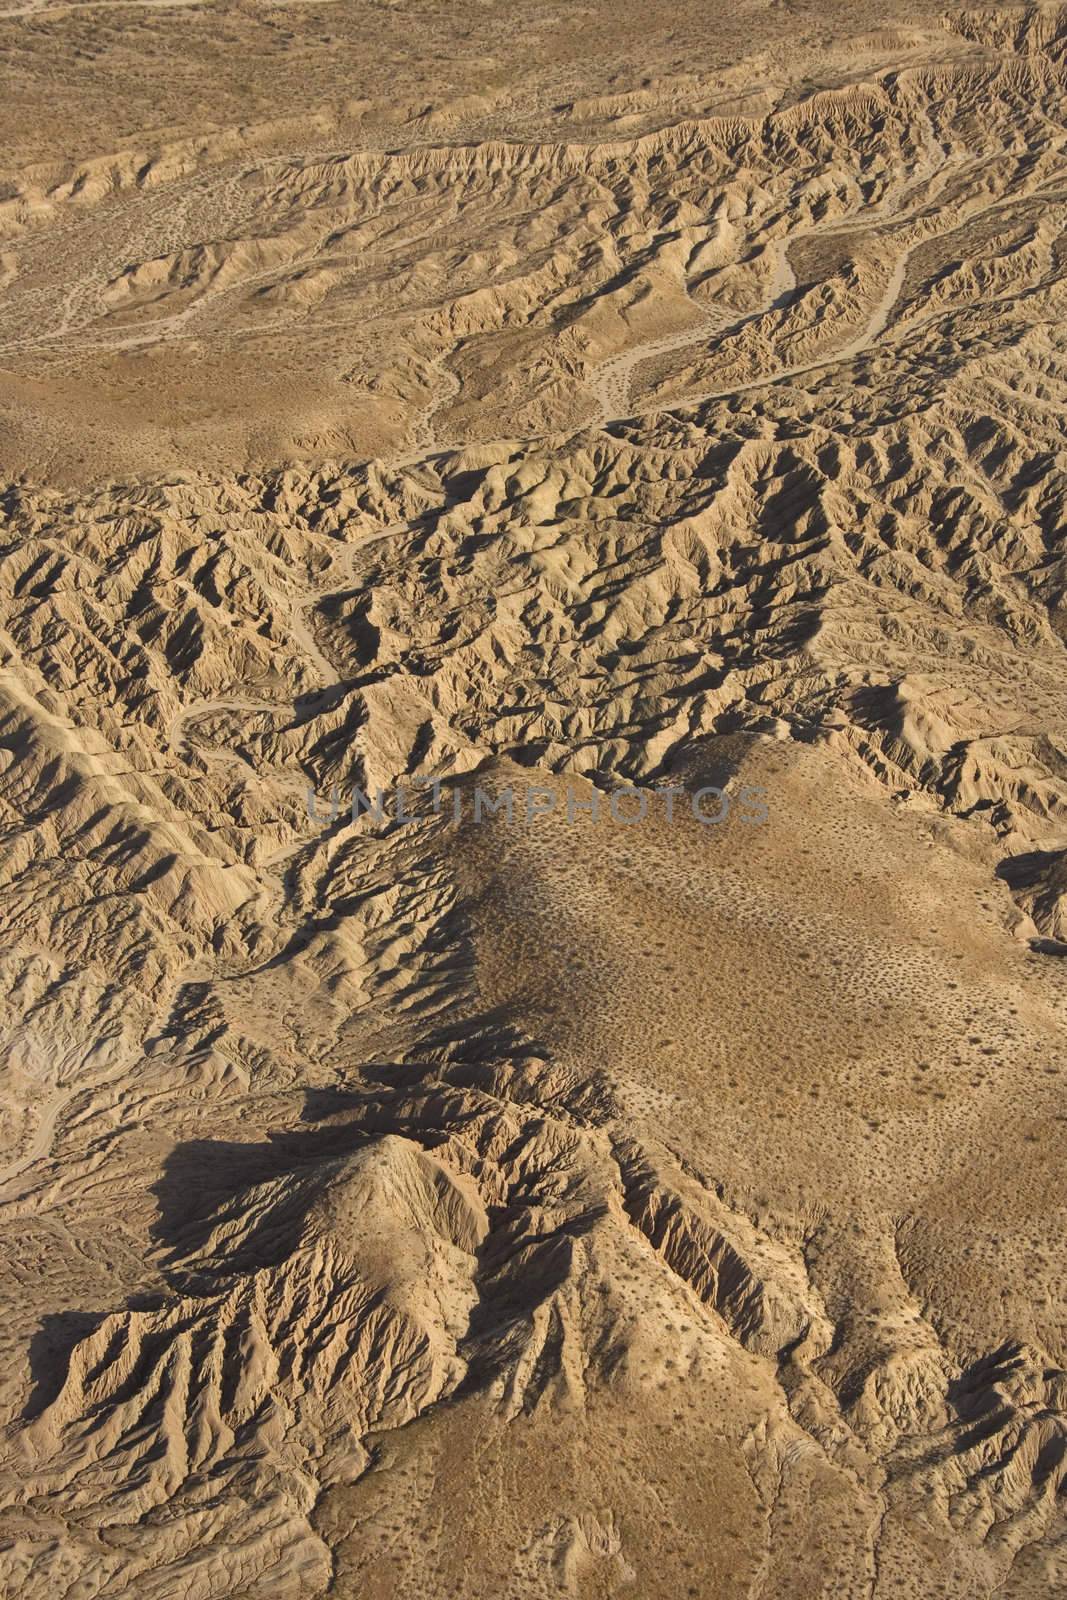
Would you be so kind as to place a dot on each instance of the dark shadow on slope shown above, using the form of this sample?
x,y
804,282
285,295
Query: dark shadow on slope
x,y
49,1355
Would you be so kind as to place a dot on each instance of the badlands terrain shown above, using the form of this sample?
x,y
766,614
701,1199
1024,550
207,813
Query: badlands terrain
x,y
533,400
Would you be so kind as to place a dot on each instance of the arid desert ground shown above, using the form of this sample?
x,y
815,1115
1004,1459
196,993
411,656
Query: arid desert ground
x,y
533,789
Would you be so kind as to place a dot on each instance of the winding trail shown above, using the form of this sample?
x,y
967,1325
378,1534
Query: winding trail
x,y
875,326
612,380
41,1142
